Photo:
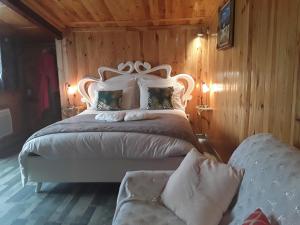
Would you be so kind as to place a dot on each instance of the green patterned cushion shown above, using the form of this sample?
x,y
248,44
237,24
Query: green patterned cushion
x,y
160,98
109,100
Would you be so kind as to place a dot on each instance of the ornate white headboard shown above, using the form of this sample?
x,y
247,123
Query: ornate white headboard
x,y
137,70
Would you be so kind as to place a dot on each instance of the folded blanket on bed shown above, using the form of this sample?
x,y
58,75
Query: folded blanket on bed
x,y
164,124
110,116
119,116
138,115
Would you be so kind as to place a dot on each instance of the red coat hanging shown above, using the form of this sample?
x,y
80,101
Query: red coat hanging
x,y
47,81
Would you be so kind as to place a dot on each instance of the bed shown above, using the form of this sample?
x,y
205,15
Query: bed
x,y
81,149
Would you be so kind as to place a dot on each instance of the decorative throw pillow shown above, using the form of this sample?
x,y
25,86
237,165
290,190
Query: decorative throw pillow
x,y
160,98
257,218
130,98
145,83
109,100
200,190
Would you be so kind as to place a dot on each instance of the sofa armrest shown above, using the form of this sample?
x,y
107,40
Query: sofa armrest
x,y
142,185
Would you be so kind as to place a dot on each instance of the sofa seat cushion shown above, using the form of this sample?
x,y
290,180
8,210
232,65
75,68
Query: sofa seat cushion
x,y
145,213
271,181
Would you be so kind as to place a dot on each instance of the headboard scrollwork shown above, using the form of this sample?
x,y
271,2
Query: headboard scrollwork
x,y
137,70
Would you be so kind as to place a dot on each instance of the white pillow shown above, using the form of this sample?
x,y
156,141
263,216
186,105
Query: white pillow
x,y
200,190
145,83
130,92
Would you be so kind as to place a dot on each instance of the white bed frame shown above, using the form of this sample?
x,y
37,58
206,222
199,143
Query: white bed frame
x,y
44,170
127,71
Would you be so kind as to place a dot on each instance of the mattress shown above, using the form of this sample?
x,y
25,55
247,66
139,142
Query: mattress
x,y
105,145
110,145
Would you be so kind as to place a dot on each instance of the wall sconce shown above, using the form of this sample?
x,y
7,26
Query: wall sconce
x,y
205,89
204,31
70,91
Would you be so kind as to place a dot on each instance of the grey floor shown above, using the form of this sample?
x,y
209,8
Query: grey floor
x,y
57,204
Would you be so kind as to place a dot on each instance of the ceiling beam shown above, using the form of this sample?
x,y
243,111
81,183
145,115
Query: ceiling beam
x,y
32,16
121,23
136,28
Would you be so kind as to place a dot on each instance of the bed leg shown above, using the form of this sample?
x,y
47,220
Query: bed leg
x,y
38,187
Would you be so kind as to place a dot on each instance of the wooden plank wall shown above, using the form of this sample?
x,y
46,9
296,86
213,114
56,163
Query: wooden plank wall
x,y
23,110
260,76
81,52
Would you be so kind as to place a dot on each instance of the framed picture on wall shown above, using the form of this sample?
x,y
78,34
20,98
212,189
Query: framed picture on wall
x,y
226,26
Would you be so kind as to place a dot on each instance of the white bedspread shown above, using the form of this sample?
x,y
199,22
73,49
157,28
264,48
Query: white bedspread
x,y
110,145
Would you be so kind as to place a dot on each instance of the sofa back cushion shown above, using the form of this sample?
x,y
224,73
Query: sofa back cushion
x,y
200,190
271,181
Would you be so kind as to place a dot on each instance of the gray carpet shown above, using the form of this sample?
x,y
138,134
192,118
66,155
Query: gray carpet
x,y
57,204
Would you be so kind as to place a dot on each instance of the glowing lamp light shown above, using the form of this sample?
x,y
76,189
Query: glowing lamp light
x,y
217,87
205,88
71,90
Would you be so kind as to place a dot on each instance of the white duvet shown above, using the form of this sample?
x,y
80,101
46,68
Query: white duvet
x,y
107,145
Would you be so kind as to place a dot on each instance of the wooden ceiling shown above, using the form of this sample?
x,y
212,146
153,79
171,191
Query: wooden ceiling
x,y
11,21
13,24
123,13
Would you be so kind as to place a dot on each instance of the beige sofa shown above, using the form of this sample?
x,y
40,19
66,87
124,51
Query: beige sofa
x,y
271,182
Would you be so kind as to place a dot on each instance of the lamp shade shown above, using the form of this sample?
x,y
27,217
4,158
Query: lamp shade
x,y
205,88
71,90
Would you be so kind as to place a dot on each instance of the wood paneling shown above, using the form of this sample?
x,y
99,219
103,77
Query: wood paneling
x,y
274,63
81,53
29,55
24,108
229,68
296,139
107,13
259,75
